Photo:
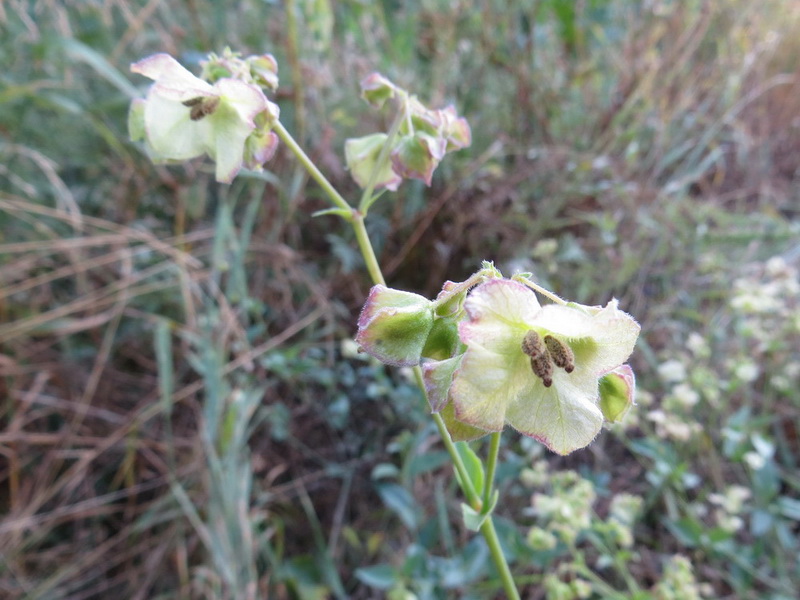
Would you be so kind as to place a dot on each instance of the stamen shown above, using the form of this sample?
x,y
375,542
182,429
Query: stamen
x,y
193,101
542,366
532,344
204,108
561,353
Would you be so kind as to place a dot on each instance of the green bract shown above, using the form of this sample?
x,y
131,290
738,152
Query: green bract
x,y
185,117
497,383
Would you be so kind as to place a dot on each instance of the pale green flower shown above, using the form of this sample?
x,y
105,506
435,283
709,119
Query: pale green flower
x,y
185,117
537,367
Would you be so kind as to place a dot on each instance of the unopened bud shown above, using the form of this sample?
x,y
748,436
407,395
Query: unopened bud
x,y
617,390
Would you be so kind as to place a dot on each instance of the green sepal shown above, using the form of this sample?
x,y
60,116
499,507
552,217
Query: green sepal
x,y
362,156
417,156
376,89
443,341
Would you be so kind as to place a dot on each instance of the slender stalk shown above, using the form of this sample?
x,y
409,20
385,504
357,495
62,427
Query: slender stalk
x,y
383,156
542,291
293,55
466,483
356,219
494,450
334,196
366,249
490,535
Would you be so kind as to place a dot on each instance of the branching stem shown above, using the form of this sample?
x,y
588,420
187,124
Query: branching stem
x,y
356,219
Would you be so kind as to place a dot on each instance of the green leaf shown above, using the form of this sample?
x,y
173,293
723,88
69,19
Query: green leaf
x,y
78,51
399,501
689,532
345,213
789,508
473,465
378,576
474,519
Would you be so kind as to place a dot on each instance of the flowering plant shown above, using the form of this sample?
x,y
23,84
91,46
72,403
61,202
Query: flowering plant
x,y
485,352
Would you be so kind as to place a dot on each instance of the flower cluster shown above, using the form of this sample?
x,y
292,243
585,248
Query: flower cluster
x,y
423,138
496,356
678,581
223,114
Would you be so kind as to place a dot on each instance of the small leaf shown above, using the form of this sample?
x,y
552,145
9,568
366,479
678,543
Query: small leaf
x,y
473,465
378,576
399,501
473,519
789,508
345,213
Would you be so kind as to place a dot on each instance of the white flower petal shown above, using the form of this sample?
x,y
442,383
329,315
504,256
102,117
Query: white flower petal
x,y
231,133
564,417
615,333
564,321
498,311
170,131
486,384
246,99
173,81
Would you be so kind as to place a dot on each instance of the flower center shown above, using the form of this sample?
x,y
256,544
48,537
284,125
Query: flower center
x,y
546,355
201,107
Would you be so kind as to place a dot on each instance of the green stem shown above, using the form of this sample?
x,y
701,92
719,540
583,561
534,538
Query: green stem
x,y
490,535
293,55
316,174
356,219
366,249
494,450
536,287
383,156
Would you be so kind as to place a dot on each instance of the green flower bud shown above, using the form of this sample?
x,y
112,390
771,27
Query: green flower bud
x,y
417,156
361,155
376,89
394,326
617,390
264,71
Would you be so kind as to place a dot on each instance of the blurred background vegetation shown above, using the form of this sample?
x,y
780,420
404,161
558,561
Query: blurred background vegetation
x,y
181,414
